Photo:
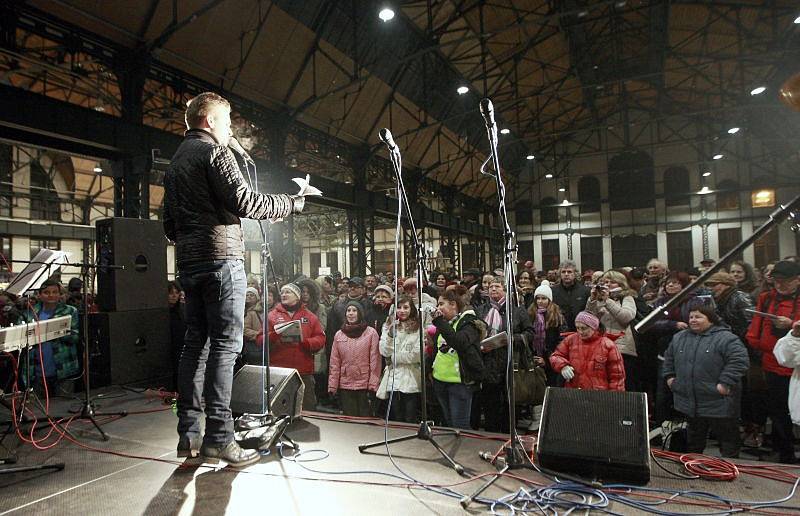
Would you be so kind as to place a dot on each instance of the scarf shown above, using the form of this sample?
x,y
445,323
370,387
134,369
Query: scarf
x,y
354,331
493,319
539,332
291,308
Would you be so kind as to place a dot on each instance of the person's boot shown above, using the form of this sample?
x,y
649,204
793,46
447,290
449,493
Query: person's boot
x,y
189,447
233,454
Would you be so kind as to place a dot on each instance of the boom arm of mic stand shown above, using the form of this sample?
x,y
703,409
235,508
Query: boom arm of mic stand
x,y
776,217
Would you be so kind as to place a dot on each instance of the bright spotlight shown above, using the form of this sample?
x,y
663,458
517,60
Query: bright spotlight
x,y
386,14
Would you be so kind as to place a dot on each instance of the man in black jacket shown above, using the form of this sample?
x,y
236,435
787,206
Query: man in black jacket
x,y
205,195
570,295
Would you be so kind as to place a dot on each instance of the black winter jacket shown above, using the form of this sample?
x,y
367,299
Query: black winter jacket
x,y
699,361
467,343
571,300
496,360
205,196
731,308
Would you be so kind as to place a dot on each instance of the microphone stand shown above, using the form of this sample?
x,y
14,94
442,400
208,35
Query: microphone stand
x,y
424,432
516,456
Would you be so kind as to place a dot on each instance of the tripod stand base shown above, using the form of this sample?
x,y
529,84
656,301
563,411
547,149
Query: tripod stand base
x,y
515,459
87,412
424,433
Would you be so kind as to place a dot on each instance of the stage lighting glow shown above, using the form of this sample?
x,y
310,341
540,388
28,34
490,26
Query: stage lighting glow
x,y
462,90
505,131
386,14
758,91
733,130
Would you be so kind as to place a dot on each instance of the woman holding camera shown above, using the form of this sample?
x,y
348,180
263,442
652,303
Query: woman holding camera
x,y
612,301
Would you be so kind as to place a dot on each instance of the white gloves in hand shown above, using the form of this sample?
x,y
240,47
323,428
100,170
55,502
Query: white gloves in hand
x,y
568,373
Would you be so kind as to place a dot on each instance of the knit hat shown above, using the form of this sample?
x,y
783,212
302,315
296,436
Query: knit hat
x,y
588,319
251,290
721,278
385,288
293,288
358,306
544,290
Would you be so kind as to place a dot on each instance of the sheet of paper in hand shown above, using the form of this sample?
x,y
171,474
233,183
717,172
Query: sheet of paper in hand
x,y
288,329
495,341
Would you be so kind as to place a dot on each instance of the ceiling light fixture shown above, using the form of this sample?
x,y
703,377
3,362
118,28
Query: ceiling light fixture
x,y
386,14
548,176
566,203
562,189
581,14
706,173
530,157
505,130
797,20
758,91
718,156
462,90
733,130
704,191
97,169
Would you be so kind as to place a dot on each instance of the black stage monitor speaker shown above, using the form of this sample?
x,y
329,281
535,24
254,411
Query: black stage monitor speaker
x,y
130,348
140,246
595,434
286,391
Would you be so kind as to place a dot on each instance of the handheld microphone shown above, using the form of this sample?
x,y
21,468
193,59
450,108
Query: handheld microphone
x,y
234,144
386,137
487,110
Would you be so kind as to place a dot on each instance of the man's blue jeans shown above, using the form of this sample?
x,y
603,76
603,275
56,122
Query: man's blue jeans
x,y
215,293
456,402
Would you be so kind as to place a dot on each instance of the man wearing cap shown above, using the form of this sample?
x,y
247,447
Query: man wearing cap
x,y
569,294
732,303
782,302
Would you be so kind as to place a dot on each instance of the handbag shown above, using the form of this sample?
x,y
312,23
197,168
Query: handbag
x,y
530,380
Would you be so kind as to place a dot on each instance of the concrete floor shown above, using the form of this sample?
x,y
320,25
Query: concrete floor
x,y
99,483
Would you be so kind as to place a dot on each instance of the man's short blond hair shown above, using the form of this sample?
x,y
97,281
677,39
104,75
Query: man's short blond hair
x,y
200,106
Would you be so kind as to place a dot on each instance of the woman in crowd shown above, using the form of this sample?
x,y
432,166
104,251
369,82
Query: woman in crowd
x,y
400,346
326,289
767,283
492,399
703,367
253,324
440,282
587,359
309,296
457,365
355,366
293,349
732,303
745,277
272,296
381,303
613,303
57,358
548,323
525,282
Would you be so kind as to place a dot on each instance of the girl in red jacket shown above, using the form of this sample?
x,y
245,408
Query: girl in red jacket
x,y
286,349
355,368
589,360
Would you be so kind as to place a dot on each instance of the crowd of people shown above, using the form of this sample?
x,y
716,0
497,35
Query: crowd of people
x,y
709,361
723,359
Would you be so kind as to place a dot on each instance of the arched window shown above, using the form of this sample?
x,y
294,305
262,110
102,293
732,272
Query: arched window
x,y
728,195
676,186
589,194
631,181
549,211
45,204
524,213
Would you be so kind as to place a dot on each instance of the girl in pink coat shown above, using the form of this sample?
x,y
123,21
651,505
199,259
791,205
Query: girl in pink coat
x,y
355,366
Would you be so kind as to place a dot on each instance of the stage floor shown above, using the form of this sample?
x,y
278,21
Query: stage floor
x,y
102,483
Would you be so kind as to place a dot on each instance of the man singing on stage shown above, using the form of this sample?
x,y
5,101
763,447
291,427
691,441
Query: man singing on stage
x,y
205,196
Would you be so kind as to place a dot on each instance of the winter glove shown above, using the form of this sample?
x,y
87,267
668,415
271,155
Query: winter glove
x,y
568,373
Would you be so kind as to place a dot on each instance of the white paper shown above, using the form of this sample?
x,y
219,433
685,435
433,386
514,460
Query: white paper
x,y
305,186
44,264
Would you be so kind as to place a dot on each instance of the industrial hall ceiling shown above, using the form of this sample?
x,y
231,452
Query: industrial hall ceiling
x,y
330,73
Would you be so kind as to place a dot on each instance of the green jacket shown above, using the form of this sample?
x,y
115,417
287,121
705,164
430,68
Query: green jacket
x,y
65,349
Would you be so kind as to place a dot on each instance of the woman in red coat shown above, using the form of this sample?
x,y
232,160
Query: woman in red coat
x,y
295,351
589,360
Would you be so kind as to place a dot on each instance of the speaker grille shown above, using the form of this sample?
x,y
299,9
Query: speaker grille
x,y
596,433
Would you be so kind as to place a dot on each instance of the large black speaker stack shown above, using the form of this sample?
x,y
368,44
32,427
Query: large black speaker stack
x,y
130,339
595,434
